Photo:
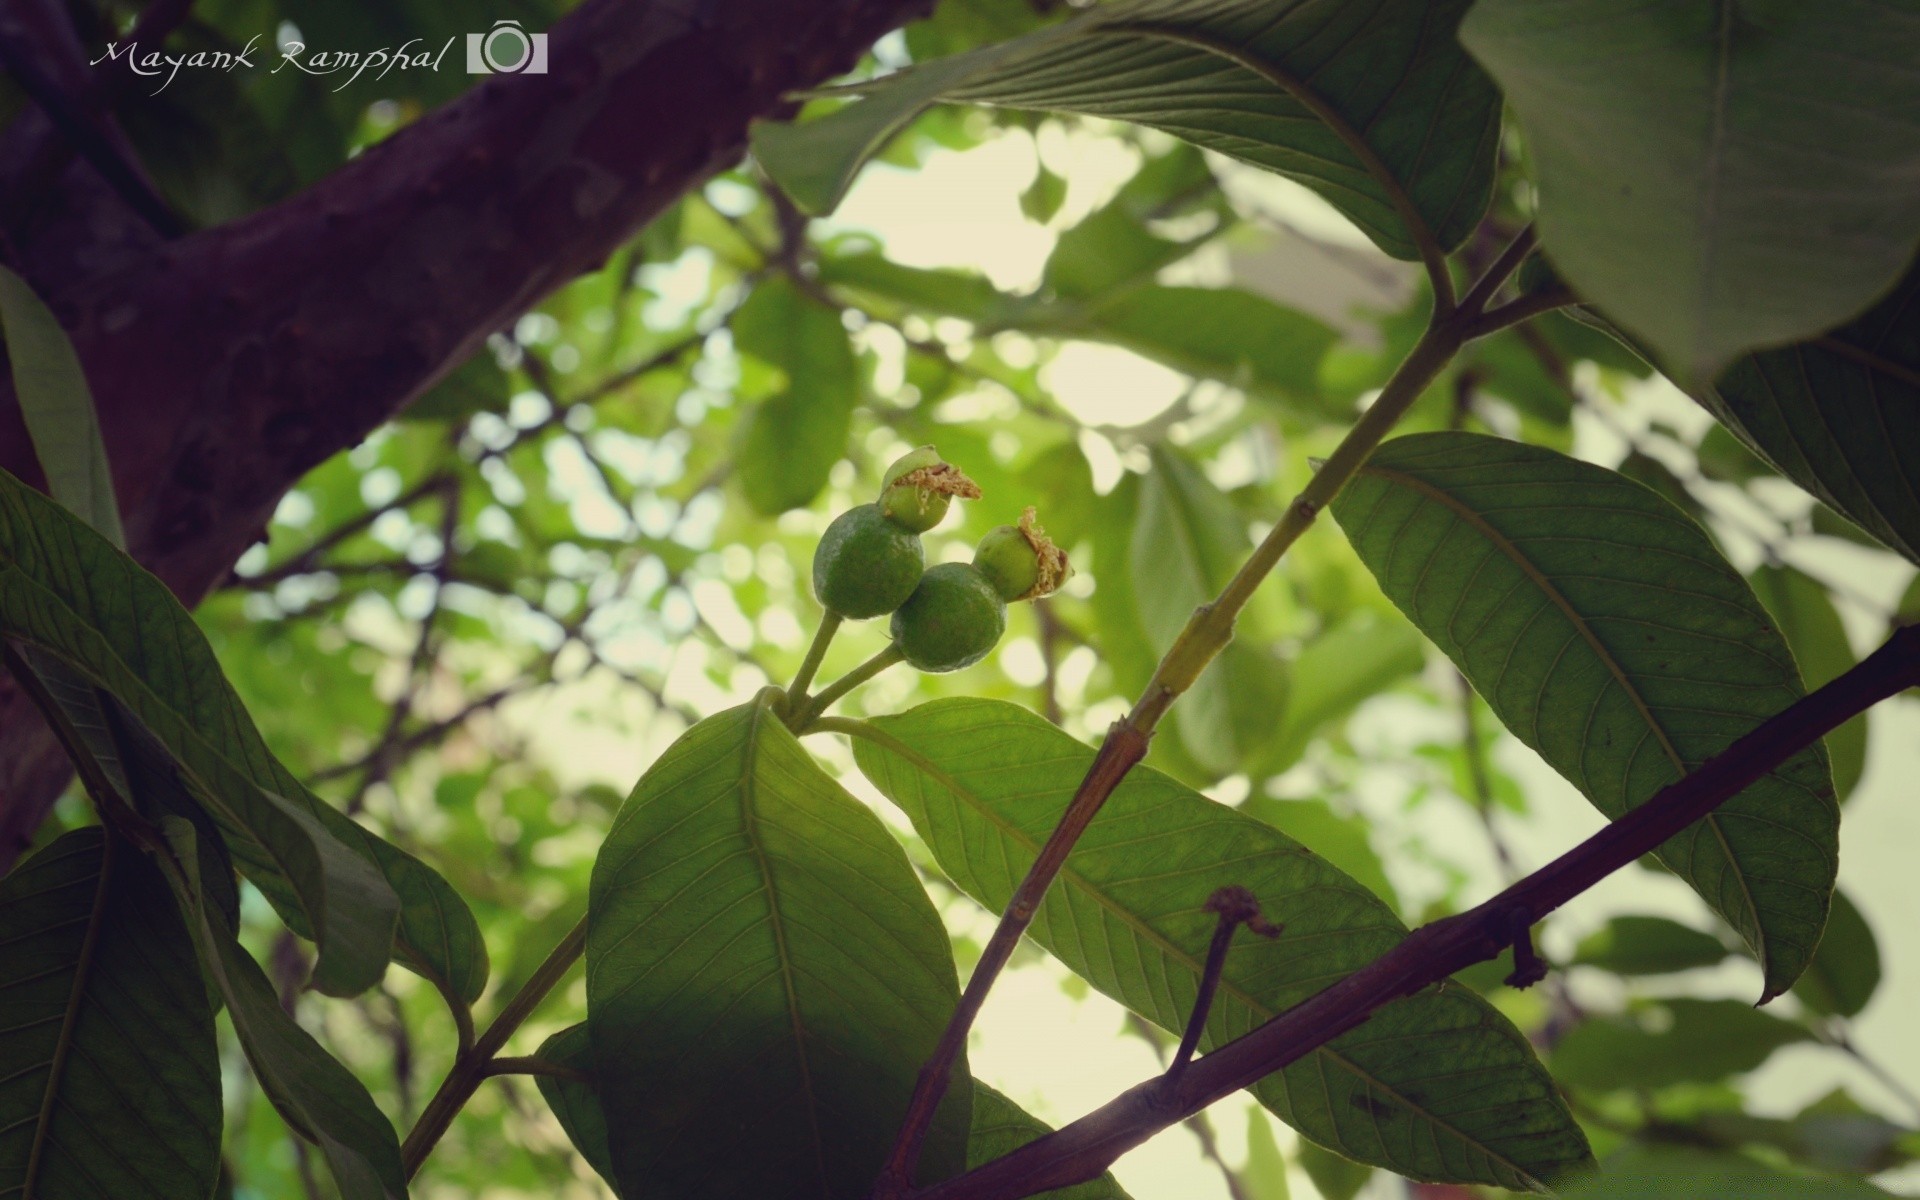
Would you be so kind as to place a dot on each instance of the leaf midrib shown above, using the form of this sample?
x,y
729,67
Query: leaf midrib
x,y
894,745
1511,552
63,1045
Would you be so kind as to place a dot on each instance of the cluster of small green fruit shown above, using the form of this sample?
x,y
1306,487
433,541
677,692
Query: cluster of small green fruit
x,y
870,562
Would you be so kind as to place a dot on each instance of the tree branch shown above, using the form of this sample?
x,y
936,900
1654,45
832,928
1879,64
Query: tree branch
x,y
1083,1149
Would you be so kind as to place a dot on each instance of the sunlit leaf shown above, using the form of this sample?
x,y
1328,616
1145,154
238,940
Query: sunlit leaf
x,y
1707,175
1608,633
1435,1086
758,945
109,1073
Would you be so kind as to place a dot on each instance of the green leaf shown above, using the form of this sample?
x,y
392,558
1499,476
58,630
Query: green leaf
x,y
312,1092
575,1104
1339,838
1043,197
1334,1177
791,440
1333,674
1265,1175
475,386
66,591
58,408
1113,246
1672,1174
1608,634
110,1070
1835,415
1375,107
1716,177
1675,1041
1808,620
1187,542
1000,1127
960,294
1437,1086
1846,968
758,947
1637,945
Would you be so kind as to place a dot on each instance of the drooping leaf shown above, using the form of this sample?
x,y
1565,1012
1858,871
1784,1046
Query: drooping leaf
x,y
1835,415
66,591
1669,1173
759,947
57,406
1375,107
1605,630
1334,1177
793,438
575,1104
1675,1041
317,1096
1265,1174
1808,620
1437,1086
1187,542
1714,176
109,1071
1845,971
1000,1127
1640,945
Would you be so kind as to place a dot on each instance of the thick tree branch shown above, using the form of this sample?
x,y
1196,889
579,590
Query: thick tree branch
x,y
1429,955
229,362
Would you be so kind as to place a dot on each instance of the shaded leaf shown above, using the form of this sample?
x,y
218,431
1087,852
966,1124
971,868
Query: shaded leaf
x,y
1716,177
1114,245
1835,415
1808,620
574,1103
1375,107
65,590
1845,970
1608,634
1435,1086
1674,1174
1639,945
475,386
57,406
791,440
109,1072
1676,1041
1334,1177
757,943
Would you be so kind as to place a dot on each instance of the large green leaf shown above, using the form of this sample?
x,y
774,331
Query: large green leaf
x,y
66,590
58,408
1608,633
1716,176
1188,540
1437,1086
1806,617
319,1098
1373,106
1835,415
1676,1041
765,976
792,439
109,1072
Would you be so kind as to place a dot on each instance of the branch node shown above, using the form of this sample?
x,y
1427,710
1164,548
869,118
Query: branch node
x,y
1528,967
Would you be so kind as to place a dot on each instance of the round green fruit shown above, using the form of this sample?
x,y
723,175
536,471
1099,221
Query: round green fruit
x,y
918,488
952,619
865,564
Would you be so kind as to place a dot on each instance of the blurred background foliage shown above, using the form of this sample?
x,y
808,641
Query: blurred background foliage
x,y
474,630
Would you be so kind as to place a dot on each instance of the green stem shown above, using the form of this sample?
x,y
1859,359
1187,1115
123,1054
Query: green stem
x,y
846,683
809,666
475,1065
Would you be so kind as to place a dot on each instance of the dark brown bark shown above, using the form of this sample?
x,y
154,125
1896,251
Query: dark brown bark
x,y
227,363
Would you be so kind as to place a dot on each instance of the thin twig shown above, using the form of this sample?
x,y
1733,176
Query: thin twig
x,y
530,1065
846,683
1084,1148
1236,906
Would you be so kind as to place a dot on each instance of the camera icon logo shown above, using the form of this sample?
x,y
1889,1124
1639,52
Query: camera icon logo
x,y
506,49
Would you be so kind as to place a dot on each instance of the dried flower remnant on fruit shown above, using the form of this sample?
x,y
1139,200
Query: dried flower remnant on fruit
x,y
920,485
1022,560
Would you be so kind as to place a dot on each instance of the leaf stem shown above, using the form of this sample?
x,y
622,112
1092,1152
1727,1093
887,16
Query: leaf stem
x,y
529,1065
846,683
809,666
1084,1148
470,1068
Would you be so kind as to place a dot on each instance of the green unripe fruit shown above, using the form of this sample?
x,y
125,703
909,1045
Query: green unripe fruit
x,y
1020,560
918,488
865,564
952,619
